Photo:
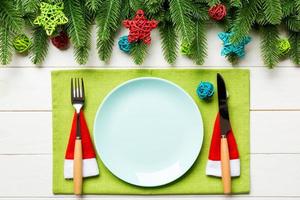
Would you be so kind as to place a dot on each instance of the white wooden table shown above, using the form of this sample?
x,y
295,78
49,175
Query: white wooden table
x,y
26,132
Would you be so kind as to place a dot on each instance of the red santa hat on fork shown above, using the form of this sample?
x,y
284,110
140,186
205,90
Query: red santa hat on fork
x,y
89,162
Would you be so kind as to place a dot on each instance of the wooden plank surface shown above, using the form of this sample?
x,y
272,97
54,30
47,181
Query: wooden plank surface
x,y
30,89
272,132
25,116
31,175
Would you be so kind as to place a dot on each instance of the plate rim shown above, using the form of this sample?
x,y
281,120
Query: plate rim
x,y
166,81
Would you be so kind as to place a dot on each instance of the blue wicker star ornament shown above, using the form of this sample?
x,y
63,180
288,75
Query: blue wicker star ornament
x,y
51,16
231,48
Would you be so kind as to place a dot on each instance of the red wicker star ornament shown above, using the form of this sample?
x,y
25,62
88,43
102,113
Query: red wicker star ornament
x,y
140,28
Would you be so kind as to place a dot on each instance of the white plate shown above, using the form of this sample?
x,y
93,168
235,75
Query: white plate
x,y
148,131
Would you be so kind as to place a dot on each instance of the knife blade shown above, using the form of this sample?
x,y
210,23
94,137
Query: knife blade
x,y
223,107
225,129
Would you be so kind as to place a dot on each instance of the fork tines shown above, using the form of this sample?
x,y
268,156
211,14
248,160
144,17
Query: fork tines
x,y
77,89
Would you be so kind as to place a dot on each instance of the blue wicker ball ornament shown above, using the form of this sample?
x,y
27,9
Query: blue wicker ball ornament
x,y
205,90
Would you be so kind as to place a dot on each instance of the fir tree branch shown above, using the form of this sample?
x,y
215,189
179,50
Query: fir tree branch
x,y
105,47
5,46
199,11
269,45
31,6
272,11
93,5
153,6
288,7
180,10
10,17
294,39
198,46
245,19
293,23
211,3
138,52
135,5
233,59
81,53
169,41
108,19
236,3
76,25
40,46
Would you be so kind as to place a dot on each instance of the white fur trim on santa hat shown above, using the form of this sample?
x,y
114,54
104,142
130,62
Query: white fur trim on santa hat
x,y
90,168
213,168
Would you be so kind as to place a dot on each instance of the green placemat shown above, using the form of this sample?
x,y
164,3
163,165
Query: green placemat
x,y
99,83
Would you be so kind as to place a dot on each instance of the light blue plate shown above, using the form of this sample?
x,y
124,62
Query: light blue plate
x,y
148,131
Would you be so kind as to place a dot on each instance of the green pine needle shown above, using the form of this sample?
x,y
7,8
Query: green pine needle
x,y
269,42
10,16
288,7
76,26
180,14
153,6
40,46
105,48
236,3
245,19
233,59
81,53
272,11
198,46
169,41
108,19
293,23
93,5
31,6
199,11
138,52
135,5
5,46
213,2
294,39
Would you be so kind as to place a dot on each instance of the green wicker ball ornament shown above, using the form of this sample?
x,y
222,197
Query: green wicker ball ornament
x,y
185,49
22,43
284,46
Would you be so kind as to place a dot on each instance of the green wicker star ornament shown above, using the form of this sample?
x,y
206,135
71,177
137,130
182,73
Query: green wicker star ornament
x,y
51,16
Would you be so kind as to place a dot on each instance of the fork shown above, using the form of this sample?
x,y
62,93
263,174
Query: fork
x,y
77,99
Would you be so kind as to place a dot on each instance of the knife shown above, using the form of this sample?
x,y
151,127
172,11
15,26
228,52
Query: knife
x,y
225,129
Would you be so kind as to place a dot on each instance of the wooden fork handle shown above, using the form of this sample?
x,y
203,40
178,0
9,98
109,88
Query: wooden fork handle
x,y
225,163
77,167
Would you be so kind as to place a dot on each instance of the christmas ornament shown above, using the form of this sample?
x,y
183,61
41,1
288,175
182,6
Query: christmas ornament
x,y
230,48
284,46
205,90
90,166
61,41
140,28
213,166
185,49
217,12
51,16
22,43
124,44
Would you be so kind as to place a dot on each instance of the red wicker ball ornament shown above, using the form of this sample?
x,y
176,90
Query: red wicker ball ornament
x,y
61,41
217,12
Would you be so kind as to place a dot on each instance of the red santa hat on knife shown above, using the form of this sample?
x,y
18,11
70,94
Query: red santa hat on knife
x,y
213,167
90,166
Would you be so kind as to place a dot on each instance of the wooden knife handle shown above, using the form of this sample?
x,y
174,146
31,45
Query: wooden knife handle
x,y
77,167
225,162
